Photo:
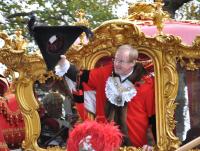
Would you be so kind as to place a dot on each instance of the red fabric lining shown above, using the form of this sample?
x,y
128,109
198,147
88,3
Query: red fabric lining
x,y
12,124
184,29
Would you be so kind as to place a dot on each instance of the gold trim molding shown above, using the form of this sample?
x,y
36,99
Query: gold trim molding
x,y
165,52
113,33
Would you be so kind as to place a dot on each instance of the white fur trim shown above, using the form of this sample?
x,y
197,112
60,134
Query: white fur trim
x,y
118,93
71,84
90,101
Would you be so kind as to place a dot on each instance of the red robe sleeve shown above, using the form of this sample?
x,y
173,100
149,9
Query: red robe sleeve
x,y
97,82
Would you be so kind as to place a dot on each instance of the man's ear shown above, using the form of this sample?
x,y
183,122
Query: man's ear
x,y
133,63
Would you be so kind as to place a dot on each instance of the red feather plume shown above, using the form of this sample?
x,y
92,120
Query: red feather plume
x,y
104,136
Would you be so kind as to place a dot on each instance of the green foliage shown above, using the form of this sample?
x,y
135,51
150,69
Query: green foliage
x,y
189,11
62,12
53,12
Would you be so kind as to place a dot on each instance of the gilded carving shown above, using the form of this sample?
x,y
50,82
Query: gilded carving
x,y
164,50
146,11
156,49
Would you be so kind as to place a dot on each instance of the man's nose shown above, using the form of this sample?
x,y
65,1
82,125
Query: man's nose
x,y
117,62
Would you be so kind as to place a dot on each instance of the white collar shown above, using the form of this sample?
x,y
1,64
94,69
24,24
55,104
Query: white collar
x,y
125,76
118,93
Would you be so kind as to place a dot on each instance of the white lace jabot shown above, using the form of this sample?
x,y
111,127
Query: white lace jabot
x,y
118,93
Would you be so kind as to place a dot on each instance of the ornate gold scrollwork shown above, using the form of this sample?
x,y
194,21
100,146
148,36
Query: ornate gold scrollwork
x,y
164,50
104,43
152,13
113,33
188,56
29,67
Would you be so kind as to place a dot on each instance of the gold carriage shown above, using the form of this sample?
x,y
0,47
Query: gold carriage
x,y
146,29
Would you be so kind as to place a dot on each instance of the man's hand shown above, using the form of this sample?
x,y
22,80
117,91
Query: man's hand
x,y
62,66
62,60
147,148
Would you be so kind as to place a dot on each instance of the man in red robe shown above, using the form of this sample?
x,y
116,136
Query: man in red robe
x,y
124,92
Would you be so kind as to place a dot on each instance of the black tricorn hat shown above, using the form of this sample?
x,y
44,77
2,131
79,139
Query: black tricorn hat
x,y
54,41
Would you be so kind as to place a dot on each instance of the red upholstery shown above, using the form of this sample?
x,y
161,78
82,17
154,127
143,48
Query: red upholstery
x,y
3,145
187,30
12,124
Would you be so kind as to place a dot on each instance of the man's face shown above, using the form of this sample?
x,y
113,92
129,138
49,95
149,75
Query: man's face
x,y
122,65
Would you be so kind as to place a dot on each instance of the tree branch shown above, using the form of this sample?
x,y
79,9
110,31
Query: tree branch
x,y
19,14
